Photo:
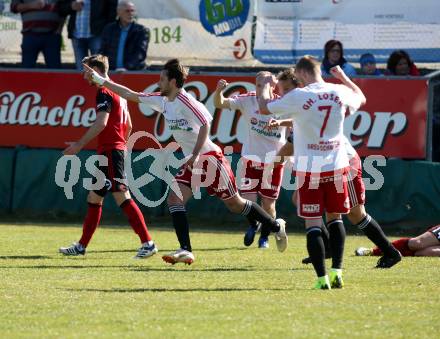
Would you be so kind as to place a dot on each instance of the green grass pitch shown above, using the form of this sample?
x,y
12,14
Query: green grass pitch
x,y
229,292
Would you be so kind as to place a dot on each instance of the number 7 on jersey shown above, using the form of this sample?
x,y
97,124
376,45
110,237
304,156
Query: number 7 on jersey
x,y
327,110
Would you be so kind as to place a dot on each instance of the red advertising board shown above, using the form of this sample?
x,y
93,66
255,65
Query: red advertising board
x,y
47,109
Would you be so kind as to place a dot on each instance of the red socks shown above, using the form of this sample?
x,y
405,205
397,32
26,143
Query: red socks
x,y
401,245
91,222
136,219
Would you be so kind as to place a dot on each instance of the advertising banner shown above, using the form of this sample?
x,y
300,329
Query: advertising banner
x,y
205,31
47,109
289,29
216,30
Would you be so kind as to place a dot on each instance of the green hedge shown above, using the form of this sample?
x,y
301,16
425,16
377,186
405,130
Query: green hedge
x,y
411,191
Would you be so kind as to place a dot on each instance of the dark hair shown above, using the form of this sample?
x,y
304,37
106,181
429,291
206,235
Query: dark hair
x,y
176,71
394,59
308,64
97,60
288,74
329,45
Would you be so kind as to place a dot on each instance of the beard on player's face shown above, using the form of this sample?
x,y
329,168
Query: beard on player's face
x,y
164,90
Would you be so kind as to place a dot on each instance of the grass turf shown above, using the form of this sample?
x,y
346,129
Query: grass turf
x,y
230,291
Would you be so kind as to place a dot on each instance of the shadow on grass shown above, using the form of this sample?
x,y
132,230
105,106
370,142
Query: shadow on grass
x,y
43,267
172,250
25,257
150,269
142,290
215,269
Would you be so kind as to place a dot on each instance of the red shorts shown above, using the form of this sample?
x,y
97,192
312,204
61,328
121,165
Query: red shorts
x,y
356,186
261,178
319,195
213,172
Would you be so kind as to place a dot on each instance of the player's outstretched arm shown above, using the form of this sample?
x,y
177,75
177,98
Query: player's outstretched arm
x,y
338,73
219,100
119,89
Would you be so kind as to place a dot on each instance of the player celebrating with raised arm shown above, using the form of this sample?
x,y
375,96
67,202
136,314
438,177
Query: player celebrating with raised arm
x,y
320,158
356,189
260,176
189,121
112,127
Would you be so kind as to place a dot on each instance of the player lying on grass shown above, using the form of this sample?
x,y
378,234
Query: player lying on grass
x,y
356,188
189,120
260,179
425,245
112,128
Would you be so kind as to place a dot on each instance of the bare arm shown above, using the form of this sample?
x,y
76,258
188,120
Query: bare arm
x,y
201,139
219,100
338,73
281,122
97,127
119,89
129,127
264,99
284,152
29,6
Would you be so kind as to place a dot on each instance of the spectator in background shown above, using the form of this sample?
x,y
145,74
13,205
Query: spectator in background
x,y
41,31
334,56
86,22
368,65
125,42
399,63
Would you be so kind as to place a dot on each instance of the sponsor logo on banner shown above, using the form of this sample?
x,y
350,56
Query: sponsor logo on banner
x,y
240,49
31,115
223,17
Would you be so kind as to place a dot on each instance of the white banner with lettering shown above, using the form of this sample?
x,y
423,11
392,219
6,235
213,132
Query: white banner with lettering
x,y
289,29
200,32
218,31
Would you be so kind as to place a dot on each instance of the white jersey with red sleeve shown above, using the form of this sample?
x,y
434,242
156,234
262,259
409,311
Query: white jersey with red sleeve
x,y
318,112
184,116
259,140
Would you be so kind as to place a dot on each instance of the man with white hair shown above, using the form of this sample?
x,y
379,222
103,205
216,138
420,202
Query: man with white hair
x,y
124,41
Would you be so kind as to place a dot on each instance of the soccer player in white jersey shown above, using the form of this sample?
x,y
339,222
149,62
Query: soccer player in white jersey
x,y
320,159
260,177
356,189
189,121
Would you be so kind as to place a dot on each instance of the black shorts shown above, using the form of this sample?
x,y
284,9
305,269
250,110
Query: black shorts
x,y
114,173
436,231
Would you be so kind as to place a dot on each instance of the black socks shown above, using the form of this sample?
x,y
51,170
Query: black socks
x,y
315,247
180,222
254,212
336,230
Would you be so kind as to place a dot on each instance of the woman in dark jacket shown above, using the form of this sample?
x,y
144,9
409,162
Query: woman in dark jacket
x,y
334,56
399,63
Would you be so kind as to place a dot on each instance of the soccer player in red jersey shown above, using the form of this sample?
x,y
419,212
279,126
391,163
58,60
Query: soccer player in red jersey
x,y
112,128
260,178
189,120
426,244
